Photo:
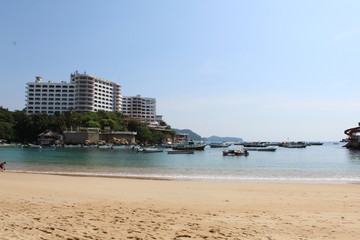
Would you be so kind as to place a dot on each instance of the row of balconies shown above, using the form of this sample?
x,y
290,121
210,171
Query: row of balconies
x,y
50,95
50,108
50,90
50,103
50,86
52,99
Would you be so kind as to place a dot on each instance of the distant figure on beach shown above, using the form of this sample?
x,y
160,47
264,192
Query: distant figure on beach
x,y
2,166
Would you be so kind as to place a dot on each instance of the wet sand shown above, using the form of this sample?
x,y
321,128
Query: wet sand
x,y
35,206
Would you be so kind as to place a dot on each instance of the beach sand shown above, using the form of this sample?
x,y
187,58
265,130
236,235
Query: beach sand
x,y
35,206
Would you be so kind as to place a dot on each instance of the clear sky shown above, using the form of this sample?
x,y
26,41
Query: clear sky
x,y
260,70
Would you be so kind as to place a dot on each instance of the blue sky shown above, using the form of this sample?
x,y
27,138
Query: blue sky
x,y
260,70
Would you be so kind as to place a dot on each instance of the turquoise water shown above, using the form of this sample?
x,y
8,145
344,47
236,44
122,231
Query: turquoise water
x,y
330,163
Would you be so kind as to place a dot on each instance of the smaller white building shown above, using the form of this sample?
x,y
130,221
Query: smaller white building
x,y
140,108
49,97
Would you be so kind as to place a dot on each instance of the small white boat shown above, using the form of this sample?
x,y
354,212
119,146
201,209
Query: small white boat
x,y
73,146
151,150
261,149
29,145
121,147
105,146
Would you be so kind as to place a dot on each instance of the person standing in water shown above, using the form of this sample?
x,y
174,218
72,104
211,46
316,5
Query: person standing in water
x,y
2,166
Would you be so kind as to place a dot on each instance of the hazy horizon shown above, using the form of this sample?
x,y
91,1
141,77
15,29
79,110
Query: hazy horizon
x,y
257,70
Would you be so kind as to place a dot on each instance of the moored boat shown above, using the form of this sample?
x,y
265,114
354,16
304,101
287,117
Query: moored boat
x,y
152,150
189,146
29,145
262,149
293,144
254,144
219,145
235,152
181,152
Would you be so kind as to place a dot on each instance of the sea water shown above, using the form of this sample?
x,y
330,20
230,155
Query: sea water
x,y
329,163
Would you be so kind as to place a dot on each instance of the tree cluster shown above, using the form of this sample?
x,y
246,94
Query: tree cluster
x,y
17,126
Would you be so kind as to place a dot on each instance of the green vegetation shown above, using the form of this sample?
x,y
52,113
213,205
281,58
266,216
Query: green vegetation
x,y
19,127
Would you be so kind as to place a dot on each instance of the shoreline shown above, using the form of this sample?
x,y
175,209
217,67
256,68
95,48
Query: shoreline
x,y
38,206
196,179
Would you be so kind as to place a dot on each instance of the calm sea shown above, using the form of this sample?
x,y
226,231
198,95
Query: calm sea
x,y
329,163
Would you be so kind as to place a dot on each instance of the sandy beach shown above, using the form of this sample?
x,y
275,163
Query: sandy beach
x,y
35,206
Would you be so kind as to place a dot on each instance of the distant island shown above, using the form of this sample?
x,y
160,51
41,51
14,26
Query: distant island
x,y
197,137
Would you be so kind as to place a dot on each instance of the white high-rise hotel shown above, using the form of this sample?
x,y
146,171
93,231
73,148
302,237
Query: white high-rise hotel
x,y
85,93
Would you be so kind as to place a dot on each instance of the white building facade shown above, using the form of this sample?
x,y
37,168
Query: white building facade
x,y
83,93
140,108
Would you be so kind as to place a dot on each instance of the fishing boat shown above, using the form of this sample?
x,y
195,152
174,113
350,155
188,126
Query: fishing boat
x,y
254,144
235,152
189,146
294,145
181,152
315,143
219,145
261,149
151,150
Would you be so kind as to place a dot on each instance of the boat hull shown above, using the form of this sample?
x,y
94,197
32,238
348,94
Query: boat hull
x,y
202,147
181,152
235,153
